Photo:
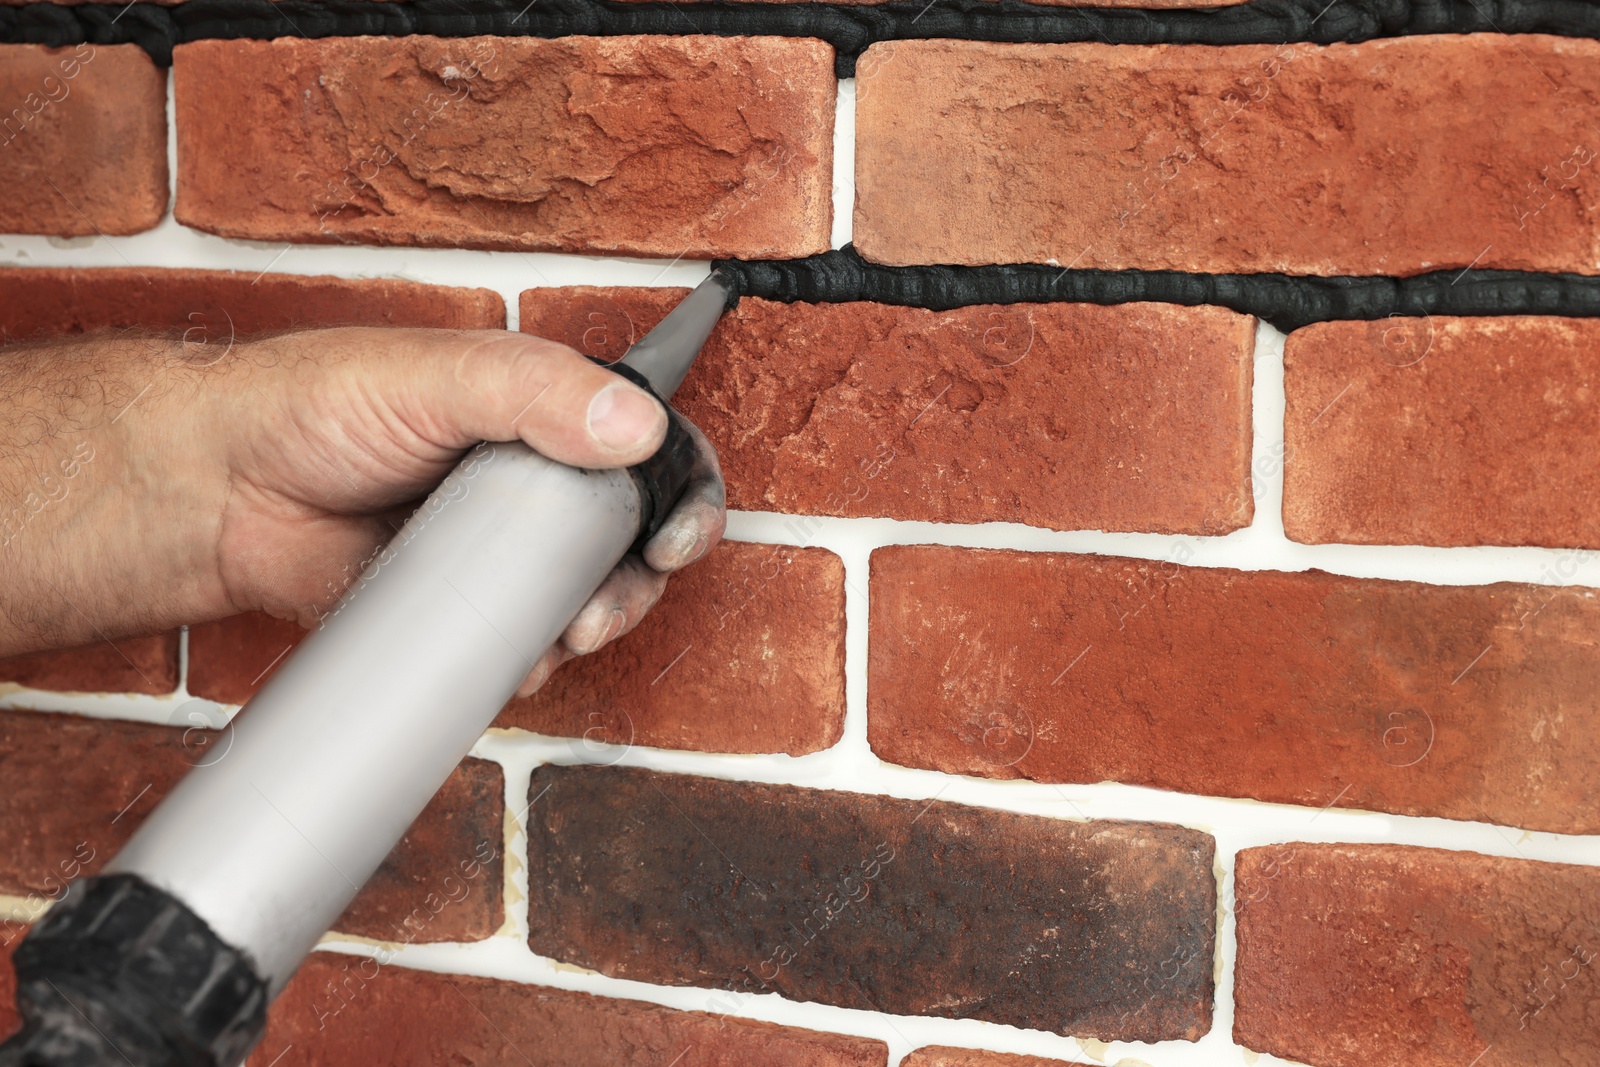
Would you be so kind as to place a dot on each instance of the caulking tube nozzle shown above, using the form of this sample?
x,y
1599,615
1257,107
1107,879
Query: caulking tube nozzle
x,y
665,354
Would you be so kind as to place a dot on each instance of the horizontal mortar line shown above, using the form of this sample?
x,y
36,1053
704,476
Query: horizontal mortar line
x,y
1469,565
1272,822
849,28
158,249
517,751
841,275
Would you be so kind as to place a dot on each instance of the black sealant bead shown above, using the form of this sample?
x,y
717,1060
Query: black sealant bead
x,y
849,28
1286,301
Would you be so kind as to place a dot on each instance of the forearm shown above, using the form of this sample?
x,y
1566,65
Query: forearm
x,y
102,505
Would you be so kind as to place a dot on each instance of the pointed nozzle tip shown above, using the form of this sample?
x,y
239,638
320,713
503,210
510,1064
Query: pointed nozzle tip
x,y
665,354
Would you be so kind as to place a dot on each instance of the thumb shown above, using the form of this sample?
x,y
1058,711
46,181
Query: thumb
x,y
461,387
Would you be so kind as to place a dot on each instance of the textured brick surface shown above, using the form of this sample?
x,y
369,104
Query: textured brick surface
x,y
1068,416
342,1010
1388,956
211,306
1469,702
77,788
744,653
83,140
1246,158
911,907
131,665
656,145
1443,431
940,1056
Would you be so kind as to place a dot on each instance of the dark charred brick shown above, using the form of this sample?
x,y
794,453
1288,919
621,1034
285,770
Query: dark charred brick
x,y
340,1011
1100,929
1357,955
77,788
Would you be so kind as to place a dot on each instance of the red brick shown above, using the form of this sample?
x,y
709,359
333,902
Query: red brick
x,y
340,1010
211,305
1443,431
759,618
1244,158
232,658
131,665
1067,416
911,907
655,145
750,622
940,1056
83,148
1372,955
1467,702
77,788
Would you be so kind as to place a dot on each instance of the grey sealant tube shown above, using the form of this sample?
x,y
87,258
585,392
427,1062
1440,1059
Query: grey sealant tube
x,y
348,741
172,954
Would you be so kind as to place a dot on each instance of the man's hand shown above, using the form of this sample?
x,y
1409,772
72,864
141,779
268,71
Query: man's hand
x,y
263,476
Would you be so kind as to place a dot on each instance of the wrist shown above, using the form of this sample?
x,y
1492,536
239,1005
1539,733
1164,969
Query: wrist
x,y
105,493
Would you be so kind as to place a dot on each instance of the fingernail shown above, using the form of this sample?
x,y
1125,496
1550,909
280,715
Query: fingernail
x,y
619,619
621,417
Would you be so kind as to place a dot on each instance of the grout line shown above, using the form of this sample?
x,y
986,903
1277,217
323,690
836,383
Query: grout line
x,y
844,163
1260,546
171,245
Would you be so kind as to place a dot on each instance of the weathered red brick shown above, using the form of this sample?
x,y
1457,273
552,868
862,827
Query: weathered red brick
x,y
744,653
212,306
749,618
1243,158
1443,431
654,145
232,658
77,788
1068,416
941,1056
83,140
131,665
1098,929
1372,955
340,1010
1467,702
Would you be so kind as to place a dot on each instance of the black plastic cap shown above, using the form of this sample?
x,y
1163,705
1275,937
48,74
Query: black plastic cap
x,y
660,478
120,972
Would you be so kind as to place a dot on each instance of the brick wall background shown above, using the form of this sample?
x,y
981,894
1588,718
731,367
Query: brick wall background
x,y
927,764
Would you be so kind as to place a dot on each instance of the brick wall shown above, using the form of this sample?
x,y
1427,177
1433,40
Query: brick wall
x,y
1122,682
